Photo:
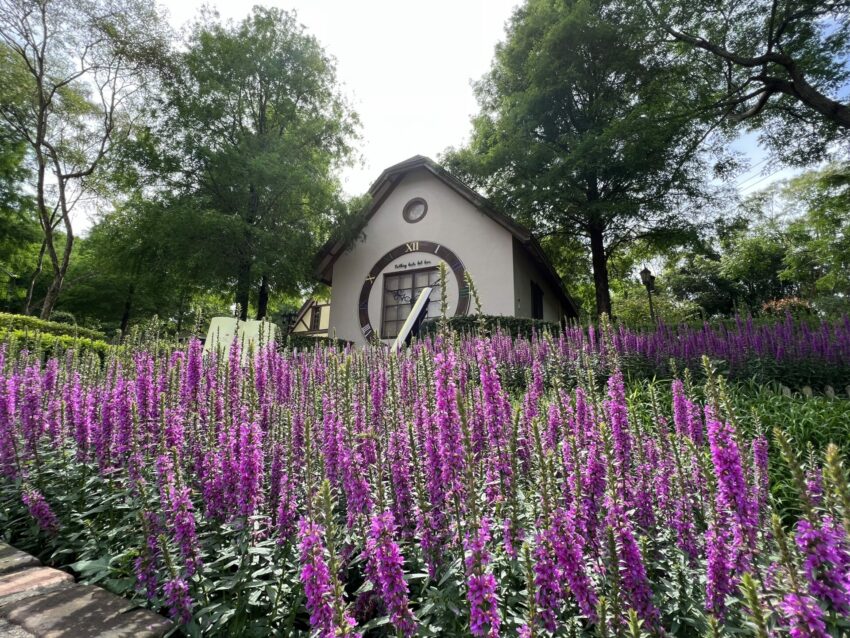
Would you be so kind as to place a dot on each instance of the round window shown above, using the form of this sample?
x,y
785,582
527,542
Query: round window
x,y
415,210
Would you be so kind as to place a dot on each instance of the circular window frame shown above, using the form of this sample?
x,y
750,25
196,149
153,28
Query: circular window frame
x,y
409,205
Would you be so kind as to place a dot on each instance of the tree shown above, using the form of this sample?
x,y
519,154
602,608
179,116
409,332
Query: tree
x,y
18,225
258,128
134,264
698,278
818,258
582,132
81,65
779,64
754,264
790,240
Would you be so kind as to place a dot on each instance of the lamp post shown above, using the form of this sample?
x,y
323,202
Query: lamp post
x,y
648,280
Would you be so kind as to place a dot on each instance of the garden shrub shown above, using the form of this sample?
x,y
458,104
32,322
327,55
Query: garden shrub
x,y
34,324
303,342
51,345
512,326
63,316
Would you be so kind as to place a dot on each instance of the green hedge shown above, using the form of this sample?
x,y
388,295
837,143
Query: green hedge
x,y
34,324
303,341
514,326
52,345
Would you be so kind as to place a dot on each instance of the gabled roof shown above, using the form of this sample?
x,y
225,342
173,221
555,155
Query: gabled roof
x,y
390,178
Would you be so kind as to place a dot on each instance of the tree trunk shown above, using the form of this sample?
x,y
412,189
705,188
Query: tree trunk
x,y
128,305
600,270
38,266
181,305
60,269
243,276
52,296
263,299
243,287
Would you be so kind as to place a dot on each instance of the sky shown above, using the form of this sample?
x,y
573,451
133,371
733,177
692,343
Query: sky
x,y
406,67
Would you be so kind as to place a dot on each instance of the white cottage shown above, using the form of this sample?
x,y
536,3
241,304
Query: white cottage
x,y
418,217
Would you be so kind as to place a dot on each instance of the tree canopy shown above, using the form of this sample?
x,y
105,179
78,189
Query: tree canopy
x,y
209,160
256,128
582,132
790,241
778,65
79,68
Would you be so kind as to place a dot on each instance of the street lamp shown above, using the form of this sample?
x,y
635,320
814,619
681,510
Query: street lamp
x,y
648,280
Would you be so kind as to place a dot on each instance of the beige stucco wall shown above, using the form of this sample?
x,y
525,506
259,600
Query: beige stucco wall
x,y
484,246
526,271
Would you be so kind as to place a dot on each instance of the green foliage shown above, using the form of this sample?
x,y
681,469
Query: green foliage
x,y
583,134
247,100
818,255
788,242
46,344
513,326
135,264
631,307
19,230
63,316
25,323
777,65
79,70
303,342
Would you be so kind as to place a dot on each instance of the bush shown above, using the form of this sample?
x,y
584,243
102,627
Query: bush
x,y
63,316
34,324
52,345
304,342
513,326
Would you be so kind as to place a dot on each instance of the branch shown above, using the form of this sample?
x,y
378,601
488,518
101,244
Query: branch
x,y
722,52
757,108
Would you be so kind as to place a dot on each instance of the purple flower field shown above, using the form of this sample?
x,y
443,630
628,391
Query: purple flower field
x,y
793,352
359,493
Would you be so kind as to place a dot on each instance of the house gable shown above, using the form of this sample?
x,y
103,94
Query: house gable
x,y
386,184
451,224
452,231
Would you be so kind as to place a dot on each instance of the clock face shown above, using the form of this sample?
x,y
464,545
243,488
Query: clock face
x,y
455,265
415,210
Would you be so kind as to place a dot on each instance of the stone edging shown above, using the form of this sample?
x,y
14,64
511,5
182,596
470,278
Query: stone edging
x,y
43,602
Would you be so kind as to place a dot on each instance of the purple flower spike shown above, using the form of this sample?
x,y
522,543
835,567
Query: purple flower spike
x,y
826,562
803,616
179,601
632,570
318,585
484,619
40,511
388,568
